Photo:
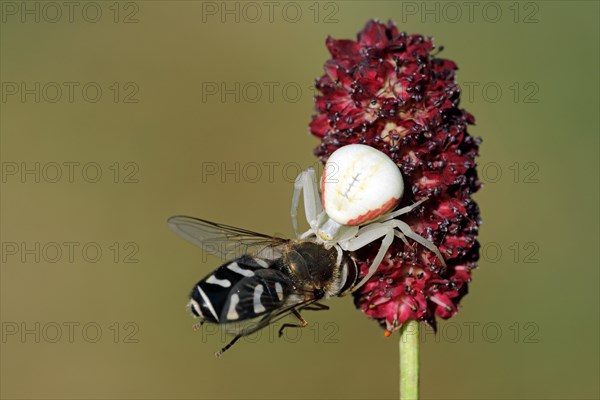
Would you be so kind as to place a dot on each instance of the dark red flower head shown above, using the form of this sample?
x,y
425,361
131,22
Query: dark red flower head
x,y
387,90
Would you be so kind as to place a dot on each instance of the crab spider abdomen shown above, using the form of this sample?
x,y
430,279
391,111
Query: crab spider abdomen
x,y
359,185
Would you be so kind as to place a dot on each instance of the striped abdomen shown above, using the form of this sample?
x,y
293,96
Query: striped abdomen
x,y
240,289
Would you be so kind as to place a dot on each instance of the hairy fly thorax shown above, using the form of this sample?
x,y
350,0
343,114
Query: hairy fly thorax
x,y
318,271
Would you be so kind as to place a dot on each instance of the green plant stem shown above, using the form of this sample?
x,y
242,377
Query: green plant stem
x,y
409,361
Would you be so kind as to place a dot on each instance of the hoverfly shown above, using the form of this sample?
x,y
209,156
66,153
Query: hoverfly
x,y
273,278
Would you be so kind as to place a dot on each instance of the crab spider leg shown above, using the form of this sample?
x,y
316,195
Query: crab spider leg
x,y
386,229
385,245
403,226
403,210
306,182
403,238
366,236
348,233
295,203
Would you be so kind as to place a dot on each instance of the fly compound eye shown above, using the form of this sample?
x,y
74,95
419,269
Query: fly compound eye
x,y
360,184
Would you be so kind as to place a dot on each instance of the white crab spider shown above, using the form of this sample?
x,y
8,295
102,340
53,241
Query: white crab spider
x,y
360,186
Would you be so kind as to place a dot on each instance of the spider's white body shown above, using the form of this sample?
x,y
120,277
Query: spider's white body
x,y
360,186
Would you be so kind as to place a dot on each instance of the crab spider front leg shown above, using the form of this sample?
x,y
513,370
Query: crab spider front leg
x,y
368,235
306,182
403,210
387,230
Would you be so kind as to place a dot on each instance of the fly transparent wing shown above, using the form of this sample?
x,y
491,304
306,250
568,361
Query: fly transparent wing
x,y
262,299
226,241
266,291
250,326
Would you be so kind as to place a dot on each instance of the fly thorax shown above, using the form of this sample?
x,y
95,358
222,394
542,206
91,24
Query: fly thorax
x,y
310,264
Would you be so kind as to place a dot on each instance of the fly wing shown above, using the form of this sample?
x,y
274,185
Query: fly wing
x,y
259,300
266,291
226,241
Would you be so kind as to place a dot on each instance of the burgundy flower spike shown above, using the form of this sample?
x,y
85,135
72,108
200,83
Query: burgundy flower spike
x,y
387,90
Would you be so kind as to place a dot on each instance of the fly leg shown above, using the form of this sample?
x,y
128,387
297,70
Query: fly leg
x,y
302,323
316,307
263,322
197,325
224,349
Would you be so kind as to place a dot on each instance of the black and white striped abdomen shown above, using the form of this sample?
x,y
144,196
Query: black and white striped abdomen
x,y
240,289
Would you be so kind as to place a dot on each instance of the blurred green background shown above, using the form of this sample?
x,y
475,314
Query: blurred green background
x,y
168,125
